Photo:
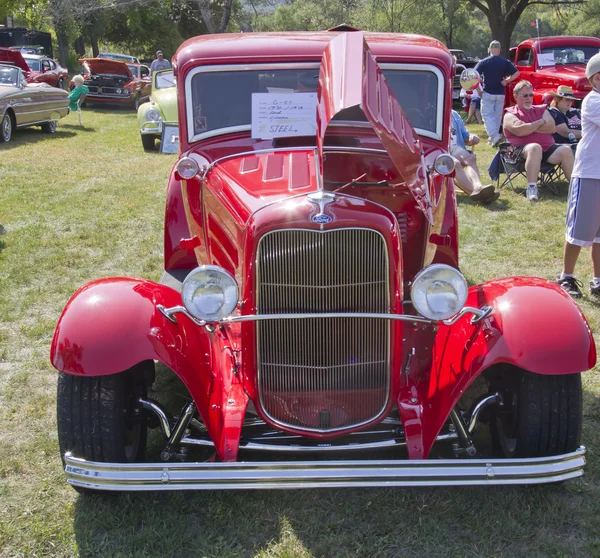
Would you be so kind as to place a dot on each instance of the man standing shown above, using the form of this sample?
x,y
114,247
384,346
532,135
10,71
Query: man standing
x,y
530,127
160,63
583,209
497,72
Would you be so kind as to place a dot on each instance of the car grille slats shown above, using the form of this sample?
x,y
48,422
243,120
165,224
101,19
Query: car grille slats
x,y
323,374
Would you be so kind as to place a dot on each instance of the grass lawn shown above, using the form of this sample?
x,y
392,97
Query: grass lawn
x,y
88,203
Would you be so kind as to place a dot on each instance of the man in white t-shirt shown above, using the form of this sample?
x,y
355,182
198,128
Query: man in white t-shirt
x,y
583,210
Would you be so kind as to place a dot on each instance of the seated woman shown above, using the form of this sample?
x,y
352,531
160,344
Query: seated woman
x,y
78,92
566,118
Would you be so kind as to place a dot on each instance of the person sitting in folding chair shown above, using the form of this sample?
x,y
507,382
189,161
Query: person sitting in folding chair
x,y
529,128
566,118
77,94
467,174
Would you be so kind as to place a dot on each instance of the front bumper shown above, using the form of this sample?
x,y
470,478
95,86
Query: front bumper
x,y
322,474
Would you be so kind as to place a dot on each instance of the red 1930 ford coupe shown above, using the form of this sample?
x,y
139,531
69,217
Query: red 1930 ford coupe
x,y
311,300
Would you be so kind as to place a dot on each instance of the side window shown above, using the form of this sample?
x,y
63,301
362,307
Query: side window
x,y
525,57
52,64
144,71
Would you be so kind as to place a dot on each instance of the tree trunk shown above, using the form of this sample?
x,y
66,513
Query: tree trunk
x,y
63,46
79,46
95,47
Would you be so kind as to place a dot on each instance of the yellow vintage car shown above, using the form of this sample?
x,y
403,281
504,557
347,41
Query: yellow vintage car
x,y
160,111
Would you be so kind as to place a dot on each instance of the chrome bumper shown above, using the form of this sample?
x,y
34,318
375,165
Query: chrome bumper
x,y
322,474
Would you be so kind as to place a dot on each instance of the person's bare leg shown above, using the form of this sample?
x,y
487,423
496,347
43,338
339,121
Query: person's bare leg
x,y
471,113
570,258
563,156
596,258
462,180
478,116
533,160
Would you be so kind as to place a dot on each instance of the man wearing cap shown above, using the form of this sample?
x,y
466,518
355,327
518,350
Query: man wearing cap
x,y
566,118
529,128
583,208
160,63
497,72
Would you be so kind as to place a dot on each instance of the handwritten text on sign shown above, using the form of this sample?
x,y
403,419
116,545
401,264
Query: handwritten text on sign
x,y
278,115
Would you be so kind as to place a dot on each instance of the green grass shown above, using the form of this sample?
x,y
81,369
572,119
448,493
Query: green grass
x,y
89,203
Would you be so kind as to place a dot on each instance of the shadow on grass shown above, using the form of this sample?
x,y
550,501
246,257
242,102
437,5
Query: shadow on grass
x,y
31,135
78,128
2,243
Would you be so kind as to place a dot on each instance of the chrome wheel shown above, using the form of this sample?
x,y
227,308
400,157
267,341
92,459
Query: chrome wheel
x,y
6,128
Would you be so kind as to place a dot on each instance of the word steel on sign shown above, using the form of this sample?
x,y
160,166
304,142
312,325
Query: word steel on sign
x,y
278,115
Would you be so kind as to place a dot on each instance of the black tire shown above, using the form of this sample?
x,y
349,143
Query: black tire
x,y
99,418
60,84
540,415
148,142
6,128
49,127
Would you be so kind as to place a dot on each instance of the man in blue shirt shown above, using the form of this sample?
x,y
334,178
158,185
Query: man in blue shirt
x,y
466,172
497,72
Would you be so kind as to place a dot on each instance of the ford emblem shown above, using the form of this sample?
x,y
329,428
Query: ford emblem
x,y
322,219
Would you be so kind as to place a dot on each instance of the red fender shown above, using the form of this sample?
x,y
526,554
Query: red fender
x,y
534,325
109,325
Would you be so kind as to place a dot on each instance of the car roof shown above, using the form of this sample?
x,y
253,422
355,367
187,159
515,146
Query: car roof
x,y
562,40
306,46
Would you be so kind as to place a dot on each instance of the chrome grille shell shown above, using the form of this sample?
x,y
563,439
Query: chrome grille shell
x,y
323,375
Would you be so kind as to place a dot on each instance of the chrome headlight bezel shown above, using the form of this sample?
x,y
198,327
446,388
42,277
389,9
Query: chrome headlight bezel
x,y
210,293
152,115
444,164
439,292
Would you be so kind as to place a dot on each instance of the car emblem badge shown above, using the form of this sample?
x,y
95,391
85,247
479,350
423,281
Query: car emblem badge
x,y
321,199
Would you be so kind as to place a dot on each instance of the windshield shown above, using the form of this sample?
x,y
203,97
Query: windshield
x,y
571,54
164,80
135,70
119,57
33,63
9,77
417,90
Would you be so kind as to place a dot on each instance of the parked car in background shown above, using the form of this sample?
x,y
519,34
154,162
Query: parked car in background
x,y
311,301
119,57
28,104
160,111
113,82
548,62
36,68
463,61
29,49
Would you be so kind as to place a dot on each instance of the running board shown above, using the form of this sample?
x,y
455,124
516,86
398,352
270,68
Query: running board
x,y
322,474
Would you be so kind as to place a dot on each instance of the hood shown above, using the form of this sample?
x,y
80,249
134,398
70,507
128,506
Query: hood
x,y
565,72
166,99
14,57
106,66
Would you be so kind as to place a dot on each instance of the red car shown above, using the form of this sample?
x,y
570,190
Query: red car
x,y
36,68
311,301
548,62
113,82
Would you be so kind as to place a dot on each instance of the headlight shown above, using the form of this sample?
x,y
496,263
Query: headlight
x,y
444,164
153,115
187,168
439,292
209,293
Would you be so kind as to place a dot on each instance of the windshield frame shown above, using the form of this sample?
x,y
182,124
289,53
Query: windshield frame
x,y
189,101
574,46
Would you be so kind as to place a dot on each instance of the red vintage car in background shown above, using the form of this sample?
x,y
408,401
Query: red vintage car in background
x,y
549,62
311,302
115,83
36,68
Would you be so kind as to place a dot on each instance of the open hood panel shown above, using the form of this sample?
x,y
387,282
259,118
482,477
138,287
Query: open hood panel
x,y
14,57
106,66
350,78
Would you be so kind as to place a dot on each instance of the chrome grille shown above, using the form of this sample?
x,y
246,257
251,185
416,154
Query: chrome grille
x,y
323,374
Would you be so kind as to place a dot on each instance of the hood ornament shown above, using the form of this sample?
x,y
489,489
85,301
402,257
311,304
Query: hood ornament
x,y
321,199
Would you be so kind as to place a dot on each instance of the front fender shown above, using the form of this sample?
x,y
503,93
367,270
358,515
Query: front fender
x,y
534,325
109,325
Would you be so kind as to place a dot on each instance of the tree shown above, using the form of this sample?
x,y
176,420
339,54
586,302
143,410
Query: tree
x,y
503,15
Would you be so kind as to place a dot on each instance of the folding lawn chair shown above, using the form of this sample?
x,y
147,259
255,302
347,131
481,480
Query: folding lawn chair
x,y
80,101
513,167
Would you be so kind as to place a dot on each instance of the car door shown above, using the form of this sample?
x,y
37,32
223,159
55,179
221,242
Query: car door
x,y
146,77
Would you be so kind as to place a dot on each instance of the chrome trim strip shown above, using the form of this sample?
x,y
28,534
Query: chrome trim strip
x,y
321,474
25,125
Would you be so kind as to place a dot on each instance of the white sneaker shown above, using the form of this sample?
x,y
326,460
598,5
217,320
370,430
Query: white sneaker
x,y
532,192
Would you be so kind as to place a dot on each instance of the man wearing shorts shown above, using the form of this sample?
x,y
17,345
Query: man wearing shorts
x,y
467,176
529,128
583,210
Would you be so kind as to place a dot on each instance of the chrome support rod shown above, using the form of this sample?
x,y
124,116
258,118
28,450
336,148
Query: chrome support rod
x,y
474,419
163,418
462,433
178,431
